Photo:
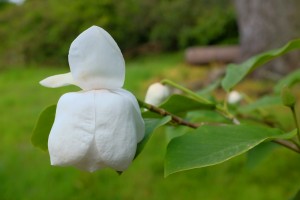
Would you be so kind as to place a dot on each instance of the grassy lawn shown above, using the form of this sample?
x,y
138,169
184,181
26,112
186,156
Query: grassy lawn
x,y
25,172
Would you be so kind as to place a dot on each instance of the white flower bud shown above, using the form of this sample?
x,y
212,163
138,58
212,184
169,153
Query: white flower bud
x,y
157,93
234,97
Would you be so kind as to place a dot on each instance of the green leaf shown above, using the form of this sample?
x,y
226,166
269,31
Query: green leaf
x,y
256,155
187,91
288,135
288,81
179,105
263,102
148,114
236,72
43,127
210,88
176,131
208,116
211,145
150,126
297,196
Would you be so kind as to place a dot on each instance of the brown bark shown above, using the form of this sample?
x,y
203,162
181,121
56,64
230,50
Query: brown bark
x,y
269,24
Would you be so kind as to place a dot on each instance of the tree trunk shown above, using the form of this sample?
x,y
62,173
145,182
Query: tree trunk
x,y
265,25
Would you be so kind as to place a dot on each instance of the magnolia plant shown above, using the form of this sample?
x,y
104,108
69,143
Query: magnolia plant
x,y
102,125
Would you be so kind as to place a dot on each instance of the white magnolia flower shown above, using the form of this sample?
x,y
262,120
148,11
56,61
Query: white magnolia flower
x,y
157,93
234,97
101,125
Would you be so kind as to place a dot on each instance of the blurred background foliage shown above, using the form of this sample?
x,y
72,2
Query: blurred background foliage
x,y
40,32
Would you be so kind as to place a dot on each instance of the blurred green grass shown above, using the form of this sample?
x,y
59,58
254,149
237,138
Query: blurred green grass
x,y
25,172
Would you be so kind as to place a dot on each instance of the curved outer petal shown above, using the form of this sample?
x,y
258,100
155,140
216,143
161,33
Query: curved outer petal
x,y
58,80
96,129
118,123
72,132
137,114
96,61
157,93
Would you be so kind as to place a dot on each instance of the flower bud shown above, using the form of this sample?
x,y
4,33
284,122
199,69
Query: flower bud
x,y
157,93
234,97
287,98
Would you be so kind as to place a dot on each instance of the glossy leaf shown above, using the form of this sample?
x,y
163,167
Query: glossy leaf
x,y
176,131
207,116
179,103
43,127
288,81
150,126
264,102
236,72
211,145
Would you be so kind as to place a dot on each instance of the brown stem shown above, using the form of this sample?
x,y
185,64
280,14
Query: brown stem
x,y
296,121
175,118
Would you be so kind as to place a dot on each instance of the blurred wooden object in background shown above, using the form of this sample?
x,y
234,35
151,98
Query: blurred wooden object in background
x,y
212,54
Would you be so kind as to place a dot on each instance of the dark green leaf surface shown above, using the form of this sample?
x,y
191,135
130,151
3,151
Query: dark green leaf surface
x,y
208,116
236,72
43,127
150,126
177,104
210,145
297,196
256,155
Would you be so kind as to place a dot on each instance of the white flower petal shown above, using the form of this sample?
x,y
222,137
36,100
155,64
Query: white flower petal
x,y
157,93
137,114
96,129
72,132
117,126
96,61
58,80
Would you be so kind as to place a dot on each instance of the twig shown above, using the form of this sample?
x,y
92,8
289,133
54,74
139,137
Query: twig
x,y
287,144
162,112
296,121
